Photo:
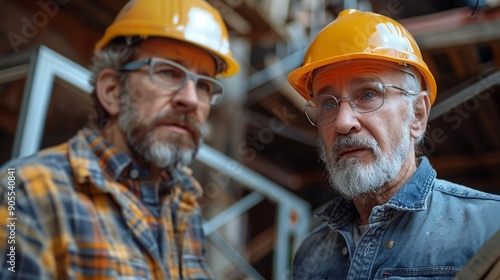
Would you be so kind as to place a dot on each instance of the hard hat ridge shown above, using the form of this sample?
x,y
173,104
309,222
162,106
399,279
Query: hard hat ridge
x,y
355,35
191,21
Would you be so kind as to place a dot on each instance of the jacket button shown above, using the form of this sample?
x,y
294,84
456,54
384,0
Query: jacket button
x,y
134,173
344,251
389,244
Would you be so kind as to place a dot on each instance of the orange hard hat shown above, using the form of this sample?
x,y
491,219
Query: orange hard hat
x,y
361,35
192,21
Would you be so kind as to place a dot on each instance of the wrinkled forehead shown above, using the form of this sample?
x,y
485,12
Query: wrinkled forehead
x,y
188,55
351,69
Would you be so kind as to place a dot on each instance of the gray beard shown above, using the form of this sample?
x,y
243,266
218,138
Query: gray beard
x,y
160,153
353,179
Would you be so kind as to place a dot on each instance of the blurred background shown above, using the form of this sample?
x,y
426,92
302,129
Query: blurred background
x,y
260,169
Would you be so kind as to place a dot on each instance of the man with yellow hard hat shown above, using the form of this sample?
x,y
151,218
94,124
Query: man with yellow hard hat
x,y
369,93
116,201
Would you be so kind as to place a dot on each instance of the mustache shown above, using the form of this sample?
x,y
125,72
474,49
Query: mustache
x,y
189,121
344,142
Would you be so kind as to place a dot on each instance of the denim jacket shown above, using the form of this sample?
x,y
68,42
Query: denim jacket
x,y
429,229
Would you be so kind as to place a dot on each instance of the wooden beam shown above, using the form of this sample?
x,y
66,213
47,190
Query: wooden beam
x,y
454,27
464,60
495,47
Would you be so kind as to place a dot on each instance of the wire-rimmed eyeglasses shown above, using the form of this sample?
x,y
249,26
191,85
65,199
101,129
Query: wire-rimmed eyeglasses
x,y
172,76
363,98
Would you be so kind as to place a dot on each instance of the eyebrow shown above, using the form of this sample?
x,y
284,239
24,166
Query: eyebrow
x,y
324,90
359,80
202,71
329,89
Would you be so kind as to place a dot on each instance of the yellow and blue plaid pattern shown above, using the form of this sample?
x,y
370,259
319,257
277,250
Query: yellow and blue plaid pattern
x,y
78,218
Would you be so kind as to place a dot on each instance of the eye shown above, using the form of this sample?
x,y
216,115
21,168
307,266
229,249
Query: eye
x,y
327,105
168,71
205,86
366,94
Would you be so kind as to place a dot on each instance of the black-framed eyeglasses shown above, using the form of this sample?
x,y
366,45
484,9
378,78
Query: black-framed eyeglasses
x,y
363,98
172,76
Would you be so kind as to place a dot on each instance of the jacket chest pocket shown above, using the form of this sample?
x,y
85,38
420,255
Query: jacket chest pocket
x,y
418,273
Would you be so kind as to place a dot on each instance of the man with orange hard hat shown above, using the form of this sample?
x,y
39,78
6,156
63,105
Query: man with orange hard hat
x,y
116,201
369,93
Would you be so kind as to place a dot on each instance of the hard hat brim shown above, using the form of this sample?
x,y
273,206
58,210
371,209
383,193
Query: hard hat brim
x,y
298,77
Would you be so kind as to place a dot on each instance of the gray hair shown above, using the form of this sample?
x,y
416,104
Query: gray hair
x,y
114,57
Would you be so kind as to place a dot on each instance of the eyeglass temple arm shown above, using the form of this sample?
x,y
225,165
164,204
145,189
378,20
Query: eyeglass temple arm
x,y
135,65
410,92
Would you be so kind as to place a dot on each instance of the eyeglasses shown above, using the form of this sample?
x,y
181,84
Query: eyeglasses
x,y
363,98
172,76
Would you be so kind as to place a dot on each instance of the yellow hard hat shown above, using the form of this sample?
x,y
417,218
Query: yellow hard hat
x,y
192,21
354,35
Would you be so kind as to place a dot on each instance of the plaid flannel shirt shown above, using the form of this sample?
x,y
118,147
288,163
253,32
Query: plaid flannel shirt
x,y
79,216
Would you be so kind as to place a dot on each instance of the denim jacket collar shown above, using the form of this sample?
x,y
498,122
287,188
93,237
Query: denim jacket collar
x,y
413,194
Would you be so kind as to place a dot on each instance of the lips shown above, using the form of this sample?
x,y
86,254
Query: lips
x,y
181,127
350,150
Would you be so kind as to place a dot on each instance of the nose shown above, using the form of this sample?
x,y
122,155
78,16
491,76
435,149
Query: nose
x,y
186,98
346,121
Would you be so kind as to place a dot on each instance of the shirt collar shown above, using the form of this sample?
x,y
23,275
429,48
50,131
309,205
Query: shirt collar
x,y
112,161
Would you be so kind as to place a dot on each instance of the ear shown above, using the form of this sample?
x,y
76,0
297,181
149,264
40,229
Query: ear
x,y
108,89
421,109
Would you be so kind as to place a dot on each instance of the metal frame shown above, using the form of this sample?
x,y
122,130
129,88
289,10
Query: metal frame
x,y
46,65
287,205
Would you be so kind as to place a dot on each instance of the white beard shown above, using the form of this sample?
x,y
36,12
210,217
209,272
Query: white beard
x,y
141,138
351,178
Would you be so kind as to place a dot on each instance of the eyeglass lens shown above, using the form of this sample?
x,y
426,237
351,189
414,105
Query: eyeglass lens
x,y
363,98
171,77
